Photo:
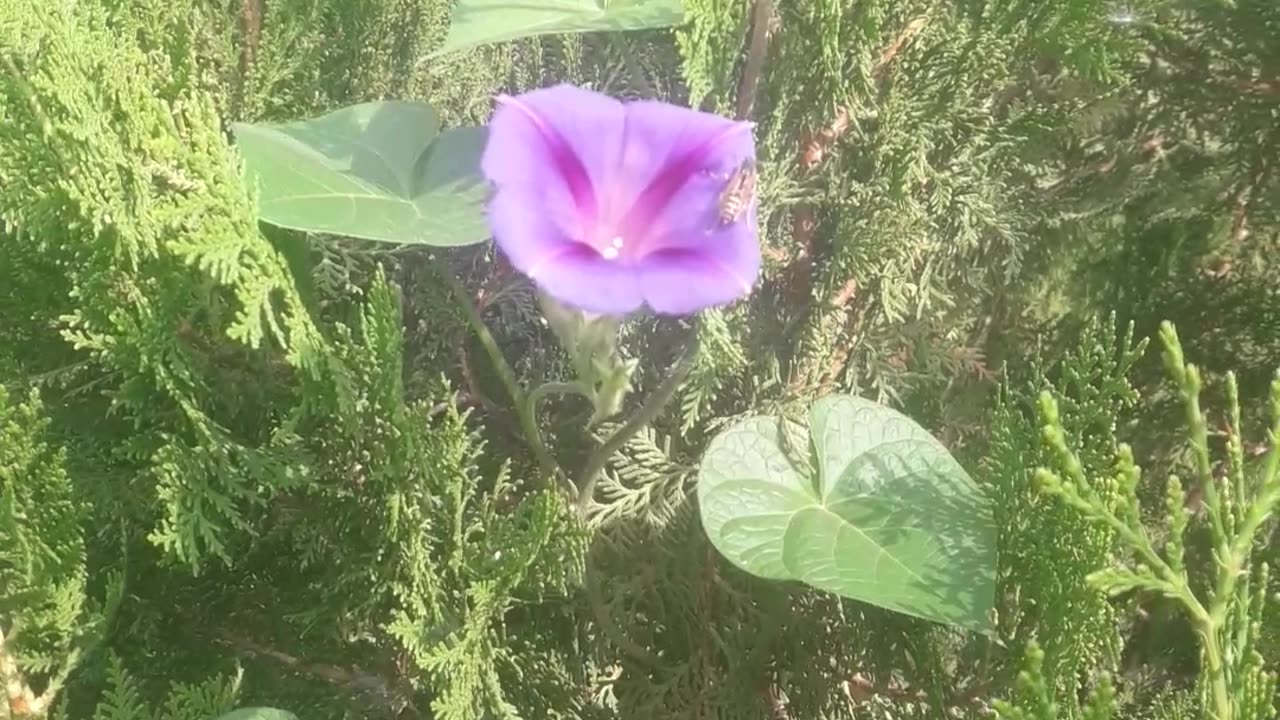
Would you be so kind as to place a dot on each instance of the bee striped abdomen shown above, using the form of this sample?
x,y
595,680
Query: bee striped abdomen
x,y
738,193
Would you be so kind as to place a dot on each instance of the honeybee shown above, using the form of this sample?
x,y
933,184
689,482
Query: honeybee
x,y
738,193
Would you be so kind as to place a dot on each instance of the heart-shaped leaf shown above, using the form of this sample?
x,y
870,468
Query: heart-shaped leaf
x,y
480,22
378,171
258,713
869,506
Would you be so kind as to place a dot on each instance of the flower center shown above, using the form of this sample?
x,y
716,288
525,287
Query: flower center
x,y
612,250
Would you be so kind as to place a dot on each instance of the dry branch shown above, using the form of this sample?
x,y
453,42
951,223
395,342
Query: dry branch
x,y
22,700
814,148
368,685
763,26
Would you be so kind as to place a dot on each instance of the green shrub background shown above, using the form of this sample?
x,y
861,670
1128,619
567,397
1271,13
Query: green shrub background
x,y
245,466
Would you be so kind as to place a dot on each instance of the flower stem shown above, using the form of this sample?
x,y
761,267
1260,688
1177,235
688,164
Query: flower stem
x,y
554,388
524,408
531,401
646,414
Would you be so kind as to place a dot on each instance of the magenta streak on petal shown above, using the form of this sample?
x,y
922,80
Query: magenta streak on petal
x,y
649,203
566,160
676,256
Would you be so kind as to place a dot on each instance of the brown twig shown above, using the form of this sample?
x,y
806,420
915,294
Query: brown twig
x,y
762,29
1240,212
250,42
859,689
843,351
1240,218
841,301
372,686
846,293
1257,87
251,27
777,708
855,305
814,148
22,700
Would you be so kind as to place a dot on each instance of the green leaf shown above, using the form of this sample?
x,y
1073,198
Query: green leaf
x,y
258,713
888,518
480,22
379,171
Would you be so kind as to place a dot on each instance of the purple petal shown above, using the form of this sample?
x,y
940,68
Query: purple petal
x,y
690,220
607,207
533,225
691,259
679,281
670,132
578,276
681,146
536,243
561,136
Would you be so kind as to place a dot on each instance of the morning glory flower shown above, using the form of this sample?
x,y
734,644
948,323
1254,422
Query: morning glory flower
x,y
609,206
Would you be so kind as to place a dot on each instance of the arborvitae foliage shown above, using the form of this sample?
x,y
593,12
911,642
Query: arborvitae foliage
x,y
1036,699
1048,602
1225,610
901,142
117,186
215,413
48,618
1163,194
123,699
296,457
418,547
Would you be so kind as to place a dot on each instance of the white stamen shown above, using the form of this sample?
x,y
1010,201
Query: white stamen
x,y
611,251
